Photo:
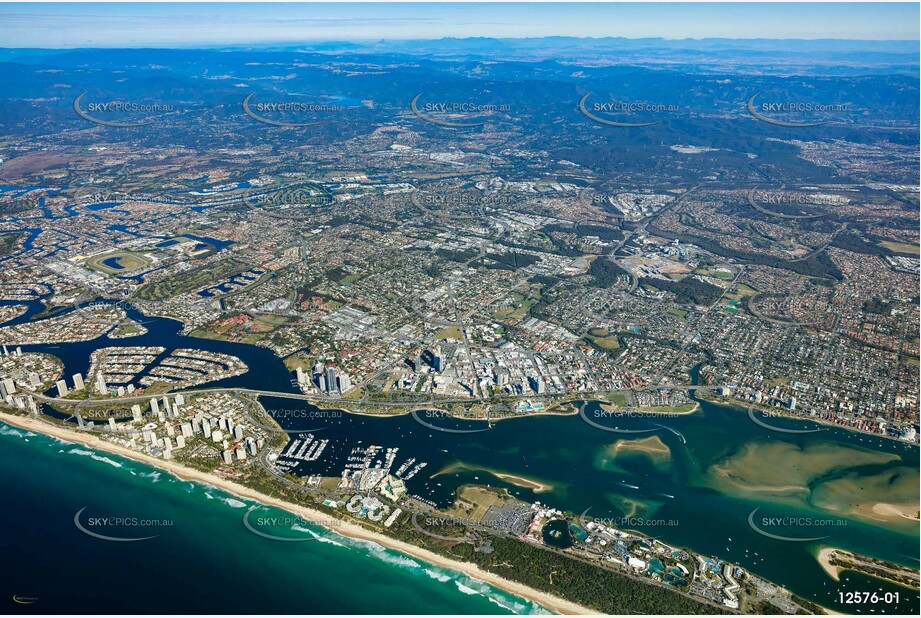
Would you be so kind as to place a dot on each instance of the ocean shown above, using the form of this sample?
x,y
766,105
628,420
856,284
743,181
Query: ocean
x,y
201,559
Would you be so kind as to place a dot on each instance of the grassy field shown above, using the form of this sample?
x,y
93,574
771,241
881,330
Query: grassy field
x,y
9,241
681,313
901,247
603,339
451,332
208,274
473,502
298,359
519,309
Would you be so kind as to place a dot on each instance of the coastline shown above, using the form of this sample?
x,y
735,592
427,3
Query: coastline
x,y
354,531
744,406
824,557
825,554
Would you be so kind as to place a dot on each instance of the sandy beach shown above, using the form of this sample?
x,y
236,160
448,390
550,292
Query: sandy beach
x,y
354,531
857,563
824,557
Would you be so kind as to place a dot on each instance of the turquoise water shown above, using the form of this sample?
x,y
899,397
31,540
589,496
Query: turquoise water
x,y
202,558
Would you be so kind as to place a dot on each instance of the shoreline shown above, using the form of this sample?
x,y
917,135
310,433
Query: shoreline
x,y
824,557
819,421
350,530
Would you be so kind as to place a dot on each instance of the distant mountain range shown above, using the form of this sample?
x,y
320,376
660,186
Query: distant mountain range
x,y
754,56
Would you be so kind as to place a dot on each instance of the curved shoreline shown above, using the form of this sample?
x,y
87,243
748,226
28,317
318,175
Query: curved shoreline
x,y
824,556
354,531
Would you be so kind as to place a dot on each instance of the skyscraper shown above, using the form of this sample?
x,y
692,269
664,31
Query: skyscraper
x,y
7,388
101,387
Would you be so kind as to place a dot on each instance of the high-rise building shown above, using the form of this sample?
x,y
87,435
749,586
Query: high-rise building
x,y
301,378
154,406
136,413
331,383
7,388
78,382
62,388
101,387
35,380
345,383
238,432
537,384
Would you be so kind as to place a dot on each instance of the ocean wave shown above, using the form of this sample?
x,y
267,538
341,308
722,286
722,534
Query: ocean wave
x,y
389,557
319,537
386,555
471,587
442,577
6,430
154,476
92,455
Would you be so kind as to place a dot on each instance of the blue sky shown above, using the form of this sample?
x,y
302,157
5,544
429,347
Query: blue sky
x,y
135,25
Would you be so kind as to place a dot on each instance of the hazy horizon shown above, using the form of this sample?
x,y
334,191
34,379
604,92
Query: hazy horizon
x,y
126,25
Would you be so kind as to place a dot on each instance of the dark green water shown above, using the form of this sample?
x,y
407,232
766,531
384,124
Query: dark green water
x,y
206,561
